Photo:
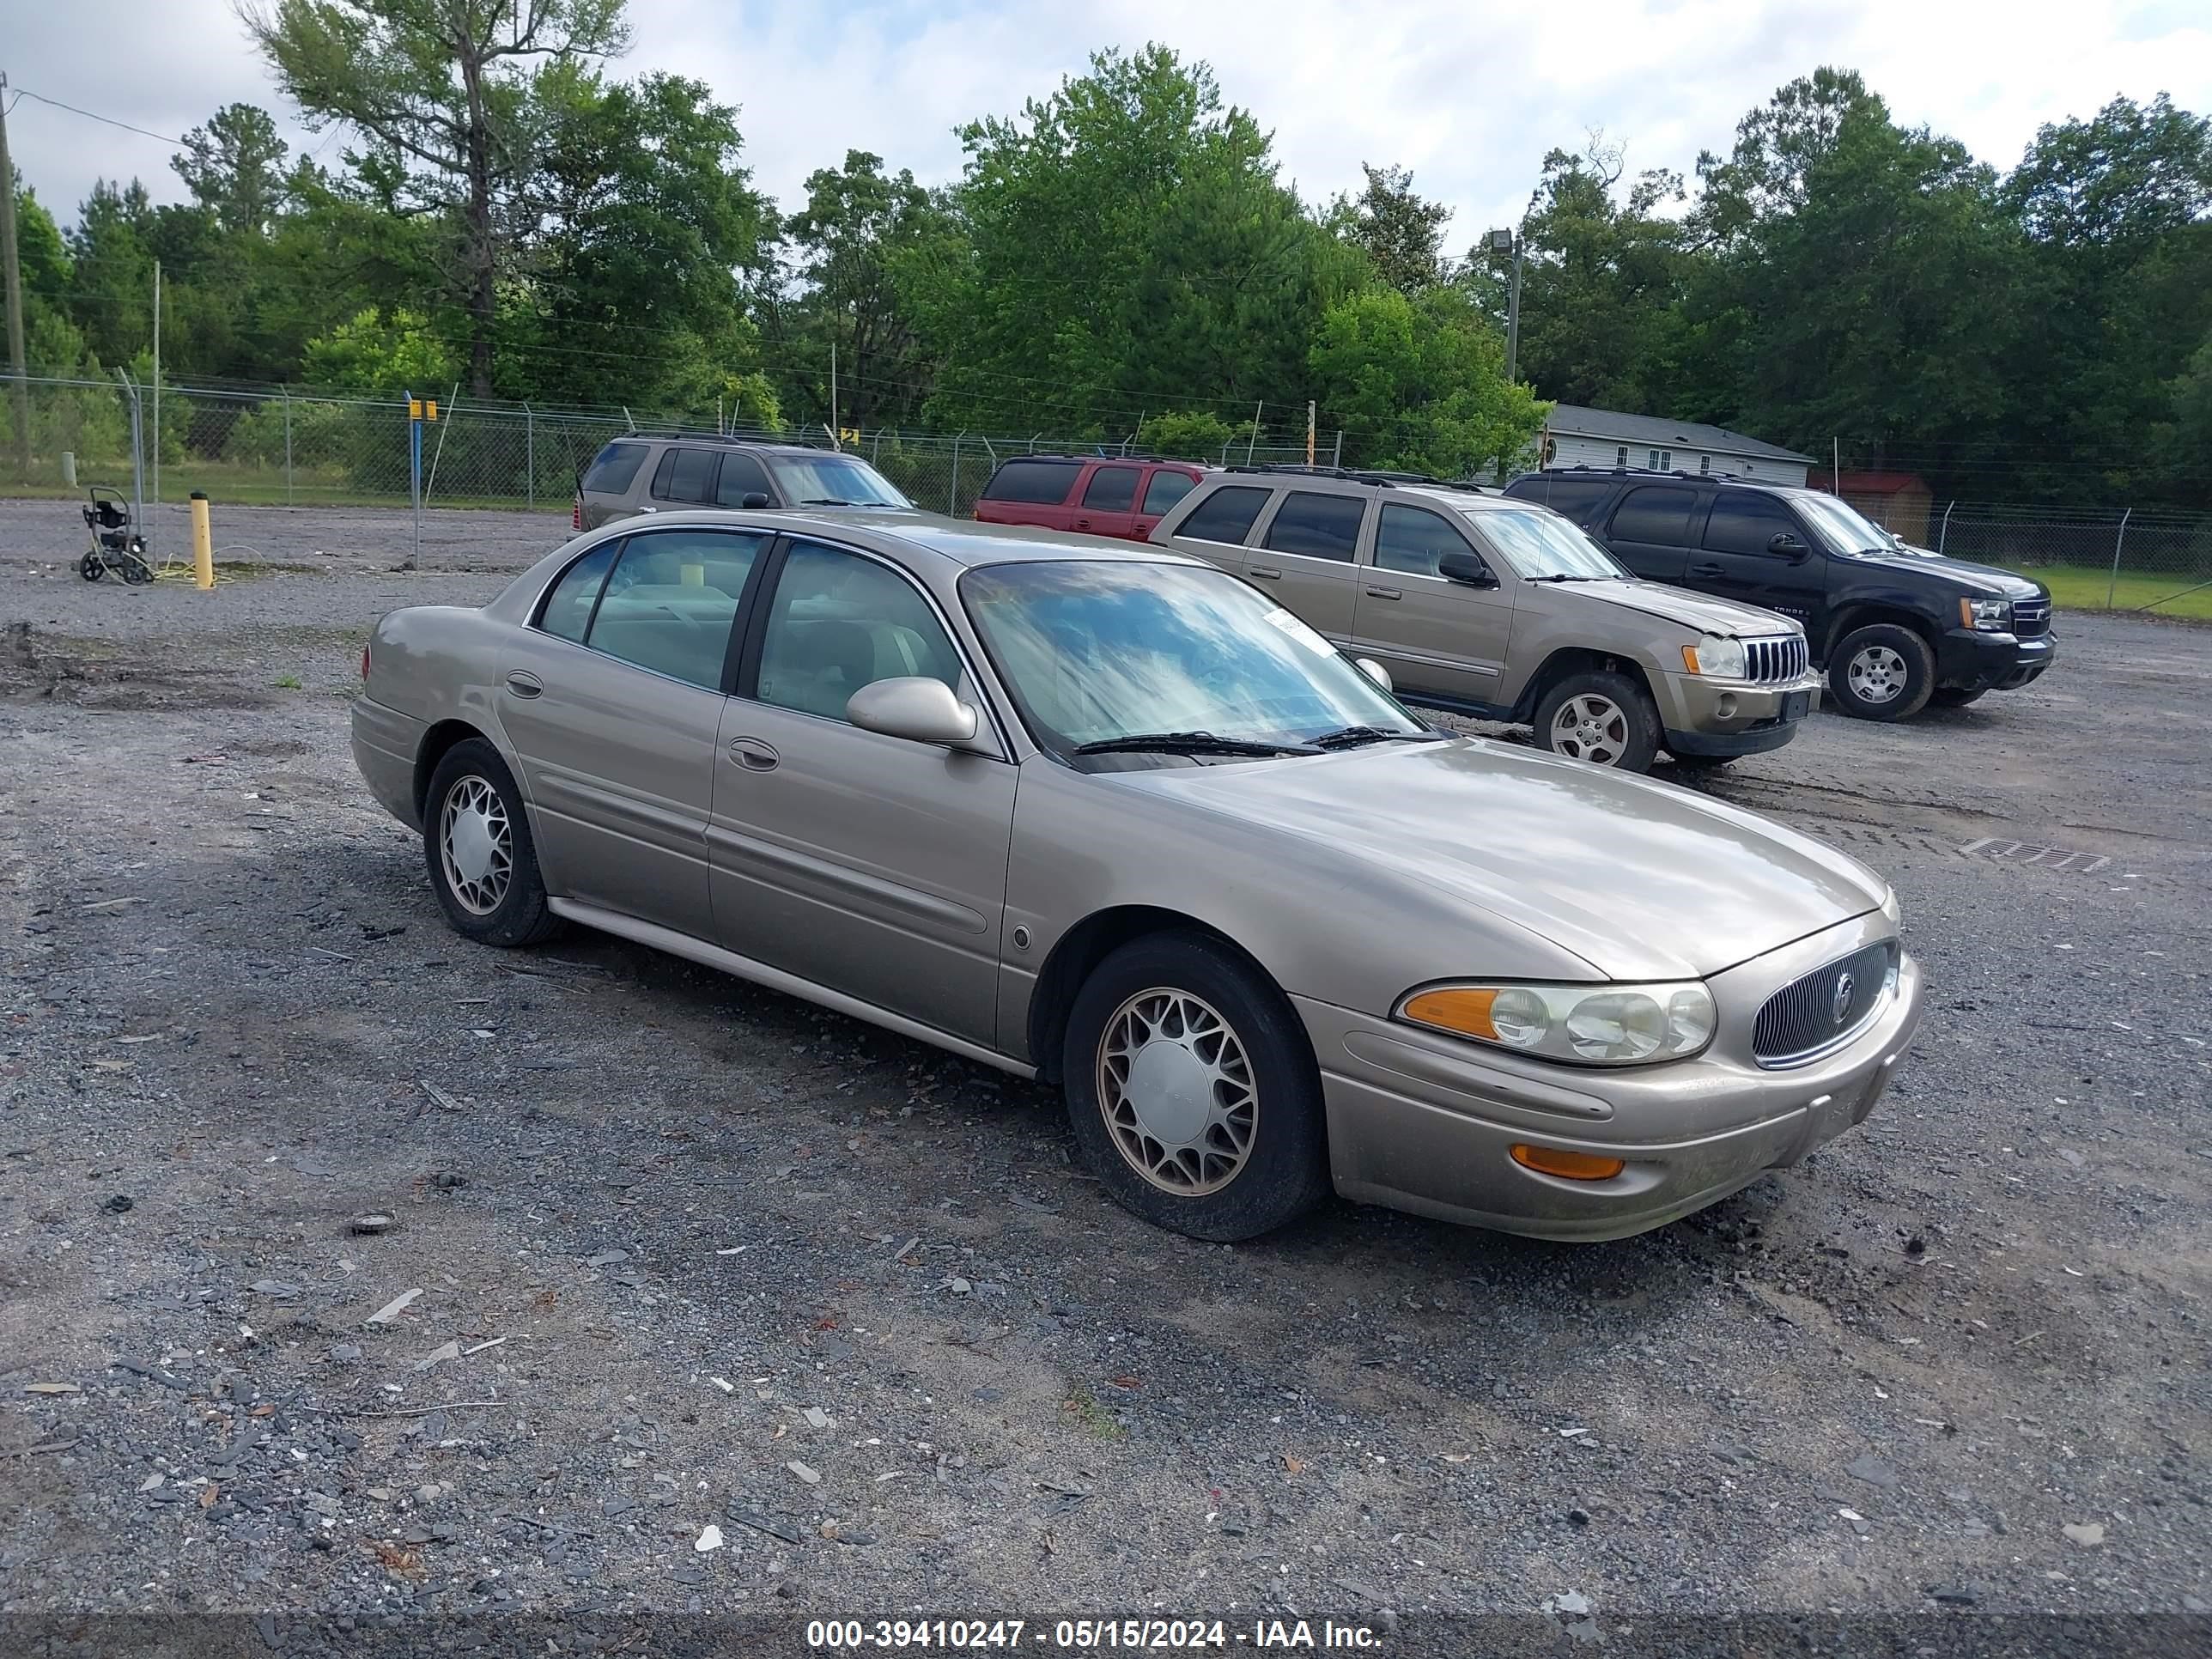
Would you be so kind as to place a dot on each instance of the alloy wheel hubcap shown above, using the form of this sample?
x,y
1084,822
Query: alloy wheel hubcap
x,y
1591,728
476,845
1876,674
1175,1089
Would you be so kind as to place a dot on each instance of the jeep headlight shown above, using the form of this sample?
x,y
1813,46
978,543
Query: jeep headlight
x,y
1990,615
1580,1024
1724,659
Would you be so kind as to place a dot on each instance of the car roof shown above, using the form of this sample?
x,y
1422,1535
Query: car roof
x,y
1120,460
712,441
1647,475
962,542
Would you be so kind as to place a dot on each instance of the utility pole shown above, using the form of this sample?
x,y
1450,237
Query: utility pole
x,y
836,442
12,274
1310,431
157,385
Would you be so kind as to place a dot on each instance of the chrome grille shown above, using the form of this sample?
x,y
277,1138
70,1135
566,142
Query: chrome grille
x,y
2031,616
1773,661
1816,1012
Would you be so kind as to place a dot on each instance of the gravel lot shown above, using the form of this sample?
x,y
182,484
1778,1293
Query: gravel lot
x,y
689,1254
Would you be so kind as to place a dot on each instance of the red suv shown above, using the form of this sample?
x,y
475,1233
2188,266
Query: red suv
x,y
1101,495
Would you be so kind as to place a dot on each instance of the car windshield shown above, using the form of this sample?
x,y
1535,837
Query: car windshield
x,y
1096,651
1843,527
1542,545
830,479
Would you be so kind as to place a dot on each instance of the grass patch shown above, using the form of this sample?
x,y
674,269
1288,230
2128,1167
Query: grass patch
x,y
1091,1416
285,683
2080,587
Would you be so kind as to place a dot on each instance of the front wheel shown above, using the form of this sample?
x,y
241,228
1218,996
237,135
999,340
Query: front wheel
x,y
1703,763
90,568
1957,697
1192,1092
1883,671
476,839
1603,718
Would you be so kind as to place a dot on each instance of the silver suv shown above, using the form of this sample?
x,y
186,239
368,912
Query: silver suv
x,y
1505,610
642,474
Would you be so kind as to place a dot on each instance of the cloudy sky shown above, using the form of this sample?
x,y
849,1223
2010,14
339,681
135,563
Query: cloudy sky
x,y
1469,93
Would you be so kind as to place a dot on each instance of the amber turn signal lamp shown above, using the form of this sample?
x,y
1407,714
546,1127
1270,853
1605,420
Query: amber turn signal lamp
x,y
1467,1010
1568,1166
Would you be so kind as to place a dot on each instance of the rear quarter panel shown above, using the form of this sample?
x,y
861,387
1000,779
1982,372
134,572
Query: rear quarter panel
x,y
433,663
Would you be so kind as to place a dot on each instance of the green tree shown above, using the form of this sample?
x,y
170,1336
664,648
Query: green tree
x,y
234,168
445,92
1400,231
1190,435
1420,382
381,353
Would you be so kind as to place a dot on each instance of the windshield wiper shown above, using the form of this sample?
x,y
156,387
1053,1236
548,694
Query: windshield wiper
x,y
1562,576
833,500
1189,742
1351,737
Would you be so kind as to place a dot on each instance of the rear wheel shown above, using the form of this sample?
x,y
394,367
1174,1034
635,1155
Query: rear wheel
x,y
1603,718
1192,1092
1956,697
1883,671
475,840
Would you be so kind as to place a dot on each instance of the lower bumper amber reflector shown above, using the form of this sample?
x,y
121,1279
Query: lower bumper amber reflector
x,y
1569,1166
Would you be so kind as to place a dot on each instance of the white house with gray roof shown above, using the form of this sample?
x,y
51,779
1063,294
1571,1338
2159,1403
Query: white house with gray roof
x,y
1604,438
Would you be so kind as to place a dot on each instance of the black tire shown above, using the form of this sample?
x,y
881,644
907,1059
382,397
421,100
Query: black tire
x,y
1630,735
136,570
90,567
1704,762
517,913
1956,697
1893,655
1285,1167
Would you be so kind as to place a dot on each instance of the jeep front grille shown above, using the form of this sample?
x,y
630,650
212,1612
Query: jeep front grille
x,y
1773,661
1814,1014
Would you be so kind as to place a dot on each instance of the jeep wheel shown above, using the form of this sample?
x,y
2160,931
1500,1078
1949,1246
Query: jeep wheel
x,y
1604,718
1956,697
1881,672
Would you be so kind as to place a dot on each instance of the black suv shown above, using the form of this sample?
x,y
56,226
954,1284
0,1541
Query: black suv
x,y
645,473
1895,628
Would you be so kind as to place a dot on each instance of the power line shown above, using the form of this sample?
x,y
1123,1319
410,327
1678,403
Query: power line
x,y
22,93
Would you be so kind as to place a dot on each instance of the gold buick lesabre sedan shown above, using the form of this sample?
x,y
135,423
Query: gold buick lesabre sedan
x,y
1106,816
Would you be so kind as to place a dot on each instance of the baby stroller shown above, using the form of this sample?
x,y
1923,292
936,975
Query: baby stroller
x,y
115,546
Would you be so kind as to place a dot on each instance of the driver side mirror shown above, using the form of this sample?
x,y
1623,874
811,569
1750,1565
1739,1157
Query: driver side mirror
x,y
913,707
1787,545
754,498
1466,569
1374,671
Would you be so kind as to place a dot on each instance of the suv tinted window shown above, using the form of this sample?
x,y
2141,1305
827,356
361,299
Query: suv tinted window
x,y
1576,497
685,474
670,603
1046,483
1412,540
1745,523
1318,527
1226,515
840,622
1655,513
617,465
742,475
1112,489
1166,489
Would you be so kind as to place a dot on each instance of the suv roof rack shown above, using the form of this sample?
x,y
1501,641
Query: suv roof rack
x,y
1356,475
1585,469
708,435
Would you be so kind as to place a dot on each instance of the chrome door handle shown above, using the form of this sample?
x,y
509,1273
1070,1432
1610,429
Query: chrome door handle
x,y
754,755
648,509
1384,593
1266,573
524,684
1707,570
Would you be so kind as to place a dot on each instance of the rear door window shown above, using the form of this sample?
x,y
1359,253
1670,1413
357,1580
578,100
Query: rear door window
x,y
569,607
672,602
1045,483
612,473
1165,489
1112,489
1226,515
686,475
1317,527
1655,513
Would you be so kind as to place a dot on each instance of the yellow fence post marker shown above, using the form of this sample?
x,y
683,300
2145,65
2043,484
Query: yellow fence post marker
x,y
202,543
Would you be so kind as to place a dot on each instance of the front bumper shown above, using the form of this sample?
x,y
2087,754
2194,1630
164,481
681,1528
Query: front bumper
x,y
1970,658
1702,715
1421,1122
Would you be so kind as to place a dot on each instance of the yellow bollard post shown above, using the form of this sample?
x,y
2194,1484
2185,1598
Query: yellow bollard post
x,y
202,543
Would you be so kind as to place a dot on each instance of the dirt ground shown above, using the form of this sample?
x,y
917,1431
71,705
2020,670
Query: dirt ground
x,y
680,1254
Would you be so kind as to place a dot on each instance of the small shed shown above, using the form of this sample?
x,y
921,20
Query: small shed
x,y
1898,502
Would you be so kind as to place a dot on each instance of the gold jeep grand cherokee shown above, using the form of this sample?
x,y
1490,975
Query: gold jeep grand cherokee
x,y
1503,610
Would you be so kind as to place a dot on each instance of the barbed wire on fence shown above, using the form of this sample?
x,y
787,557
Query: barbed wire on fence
x,y
299,446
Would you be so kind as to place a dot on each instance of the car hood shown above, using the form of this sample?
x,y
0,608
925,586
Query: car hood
x,y
1700,611
1642,880
1973,578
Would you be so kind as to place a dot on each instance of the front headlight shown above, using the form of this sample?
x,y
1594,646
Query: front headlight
x,y
1582,1024
1990,615
1725,659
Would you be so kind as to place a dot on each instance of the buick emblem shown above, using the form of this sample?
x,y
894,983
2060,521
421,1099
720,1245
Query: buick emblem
x,y
1845,986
